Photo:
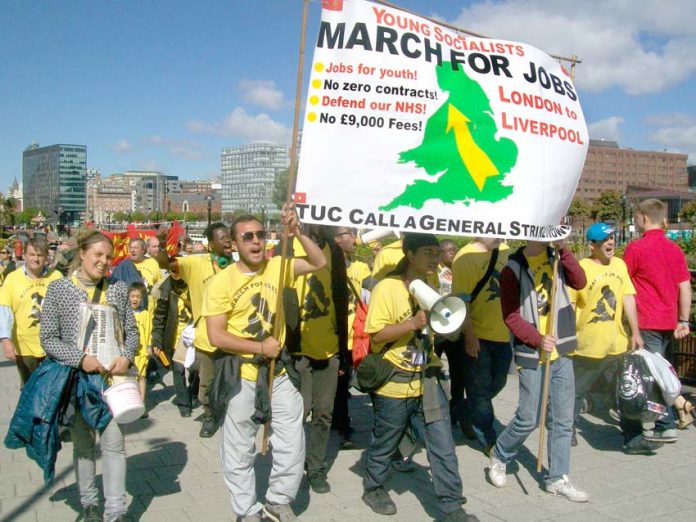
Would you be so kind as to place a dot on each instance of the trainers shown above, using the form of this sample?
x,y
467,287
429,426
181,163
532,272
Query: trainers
x,y
404,465
256,517
319,484
666,436
459,516
638,445
92,514
208,427
615,415
379,501
497,472
565,488
184,411
278,512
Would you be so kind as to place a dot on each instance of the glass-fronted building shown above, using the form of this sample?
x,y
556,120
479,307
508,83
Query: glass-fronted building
x,y
54,180
248,172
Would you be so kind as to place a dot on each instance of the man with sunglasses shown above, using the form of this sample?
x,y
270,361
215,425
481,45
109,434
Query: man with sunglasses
x,y
7,264
239,307
608,297
196,271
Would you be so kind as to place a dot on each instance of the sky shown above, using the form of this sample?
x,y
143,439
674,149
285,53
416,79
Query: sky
x,y
165,85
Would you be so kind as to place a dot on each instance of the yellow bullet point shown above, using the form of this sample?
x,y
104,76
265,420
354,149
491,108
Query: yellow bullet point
x,y
312,116
319,67
314,100
316,83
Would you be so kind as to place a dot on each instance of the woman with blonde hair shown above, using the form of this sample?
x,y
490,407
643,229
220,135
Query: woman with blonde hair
x,y
60,326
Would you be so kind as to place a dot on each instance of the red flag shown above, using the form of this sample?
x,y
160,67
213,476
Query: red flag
x,y
332,5
121,240
300,197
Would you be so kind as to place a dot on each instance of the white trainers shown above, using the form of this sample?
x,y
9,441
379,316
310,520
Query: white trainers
x,y
564,488
497,472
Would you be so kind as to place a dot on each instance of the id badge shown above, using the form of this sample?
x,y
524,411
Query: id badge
x,y
417,358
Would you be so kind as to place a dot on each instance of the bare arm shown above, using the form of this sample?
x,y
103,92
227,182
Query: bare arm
x,y
631,312
315,258
682,329
392,332
224,340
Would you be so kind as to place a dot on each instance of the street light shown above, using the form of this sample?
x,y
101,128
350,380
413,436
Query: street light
x,y
623,219
209,199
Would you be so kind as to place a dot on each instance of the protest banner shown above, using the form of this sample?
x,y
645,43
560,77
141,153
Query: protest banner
x,y
413,126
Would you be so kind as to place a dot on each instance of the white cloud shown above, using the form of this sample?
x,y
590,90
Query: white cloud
x,y
263,93
240,124
153,140
606,129
151,165
641,47
677,138
185,149
122,147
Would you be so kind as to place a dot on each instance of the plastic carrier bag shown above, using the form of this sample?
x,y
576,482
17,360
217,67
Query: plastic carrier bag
x,y
665,376
638,396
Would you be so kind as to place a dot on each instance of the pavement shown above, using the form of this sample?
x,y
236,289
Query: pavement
x,y
173,475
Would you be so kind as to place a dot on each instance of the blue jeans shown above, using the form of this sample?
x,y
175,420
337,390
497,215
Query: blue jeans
x,y
656,341
484,377
391,417
559,417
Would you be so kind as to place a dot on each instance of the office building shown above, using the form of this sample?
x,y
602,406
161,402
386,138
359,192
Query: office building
x,y
610,167
53,180
248,172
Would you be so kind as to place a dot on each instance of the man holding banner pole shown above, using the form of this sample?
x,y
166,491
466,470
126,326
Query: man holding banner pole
x,y
239,308
526,284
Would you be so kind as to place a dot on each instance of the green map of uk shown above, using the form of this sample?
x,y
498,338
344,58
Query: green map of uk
x,y
459,148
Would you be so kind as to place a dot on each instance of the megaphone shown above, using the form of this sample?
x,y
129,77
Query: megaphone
x,y
375,235
445,314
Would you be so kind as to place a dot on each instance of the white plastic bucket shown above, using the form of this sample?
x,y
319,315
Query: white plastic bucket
x,y
124,401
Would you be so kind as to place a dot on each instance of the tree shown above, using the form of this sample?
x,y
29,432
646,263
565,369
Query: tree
x,y
280,187
688,212
607,207
137,217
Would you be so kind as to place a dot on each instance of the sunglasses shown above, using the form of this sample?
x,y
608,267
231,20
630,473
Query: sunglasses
x,y
249,236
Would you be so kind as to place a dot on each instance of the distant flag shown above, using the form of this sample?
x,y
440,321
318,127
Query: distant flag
x,y
332,5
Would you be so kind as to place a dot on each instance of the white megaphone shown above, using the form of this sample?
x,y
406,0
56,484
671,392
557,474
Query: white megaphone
x,y
445,314
375,235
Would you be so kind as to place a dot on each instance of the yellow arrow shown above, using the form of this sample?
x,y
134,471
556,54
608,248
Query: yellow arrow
x,y
476,161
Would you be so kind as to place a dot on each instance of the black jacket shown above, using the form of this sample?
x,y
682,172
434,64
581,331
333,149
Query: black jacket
x,y
166,317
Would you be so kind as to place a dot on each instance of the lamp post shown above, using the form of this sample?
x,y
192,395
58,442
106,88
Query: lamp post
x,y
209,199
623,219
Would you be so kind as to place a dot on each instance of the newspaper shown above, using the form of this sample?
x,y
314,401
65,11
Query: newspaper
x,y
101,332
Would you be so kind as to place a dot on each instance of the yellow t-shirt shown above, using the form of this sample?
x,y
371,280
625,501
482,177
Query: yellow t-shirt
x,y
387,259
143,319
357,272
197,271
390,303
599,308
24,296
543,272
184,316
249,302
150,271
317,311
469,266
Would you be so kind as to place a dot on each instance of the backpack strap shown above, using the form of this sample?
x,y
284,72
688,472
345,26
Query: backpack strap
x,y
489,271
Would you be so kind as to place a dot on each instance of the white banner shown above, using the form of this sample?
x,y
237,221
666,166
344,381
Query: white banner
x,y
412,126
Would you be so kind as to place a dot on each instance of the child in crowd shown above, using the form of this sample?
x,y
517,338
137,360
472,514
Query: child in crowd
x,y
143,318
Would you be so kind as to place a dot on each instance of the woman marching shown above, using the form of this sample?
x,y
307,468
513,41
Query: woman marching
x,y
60,326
